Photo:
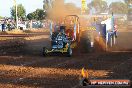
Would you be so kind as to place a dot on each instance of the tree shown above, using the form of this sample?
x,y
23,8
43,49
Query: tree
x,y
99,6
1,17
30,16
21,12
39,14
129,5
128,1
47,4
118,8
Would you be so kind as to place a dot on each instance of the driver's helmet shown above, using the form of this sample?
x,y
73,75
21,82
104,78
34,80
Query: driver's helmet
x,y
56,28
62,29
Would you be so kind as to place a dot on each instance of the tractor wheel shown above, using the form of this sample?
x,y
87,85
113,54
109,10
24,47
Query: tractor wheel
x,y
44,51
85,44
69,52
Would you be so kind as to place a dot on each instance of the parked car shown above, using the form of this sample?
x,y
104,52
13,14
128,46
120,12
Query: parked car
x,y
22,26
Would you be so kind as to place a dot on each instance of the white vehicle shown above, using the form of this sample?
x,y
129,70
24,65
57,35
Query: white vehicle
x,y
22,26
0,27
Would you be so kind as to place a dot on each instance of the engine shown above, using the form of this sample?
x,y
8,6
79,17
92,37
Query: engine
x,y
59,41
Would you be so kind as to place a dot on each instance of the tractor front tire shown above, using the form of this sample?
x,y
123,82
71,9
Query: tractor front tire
x,y
69,52
44,51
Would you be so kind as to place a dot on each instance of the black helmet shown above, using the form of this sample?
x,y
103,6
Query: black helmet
x,y
62,29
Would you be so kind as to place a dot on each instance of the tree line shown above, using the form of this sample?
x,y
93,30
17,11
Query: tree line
x,y
38,14
99,6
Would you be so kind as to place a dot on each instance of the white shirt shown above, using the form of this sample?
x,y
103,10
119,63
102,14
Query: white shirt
x,y
108,24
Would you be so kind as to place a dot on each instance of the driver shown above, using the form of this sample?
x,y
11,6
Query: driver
x,y
64,36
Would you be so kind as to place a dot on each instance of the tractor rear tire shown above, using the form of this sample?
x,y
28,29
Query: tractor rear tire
x,y
85,43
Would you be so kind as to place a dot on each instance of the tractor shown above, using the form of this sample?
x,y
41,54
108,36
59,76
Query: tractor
x,y
64,37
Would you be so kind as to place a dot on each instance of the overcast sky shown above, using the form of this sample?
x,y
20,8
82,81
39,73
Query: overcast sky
x,y
31,5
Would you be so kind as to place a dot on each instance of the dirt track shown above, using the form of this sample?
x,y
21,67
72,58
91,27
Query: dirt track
x,y
25,67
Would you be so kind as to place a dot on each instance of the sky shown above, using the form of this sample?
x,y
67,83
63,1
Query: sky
x,y
32,5
29,5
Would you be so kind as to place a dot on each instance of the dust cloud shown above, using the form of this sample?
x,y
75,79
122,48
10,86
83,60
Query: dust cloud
x,y
61,9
